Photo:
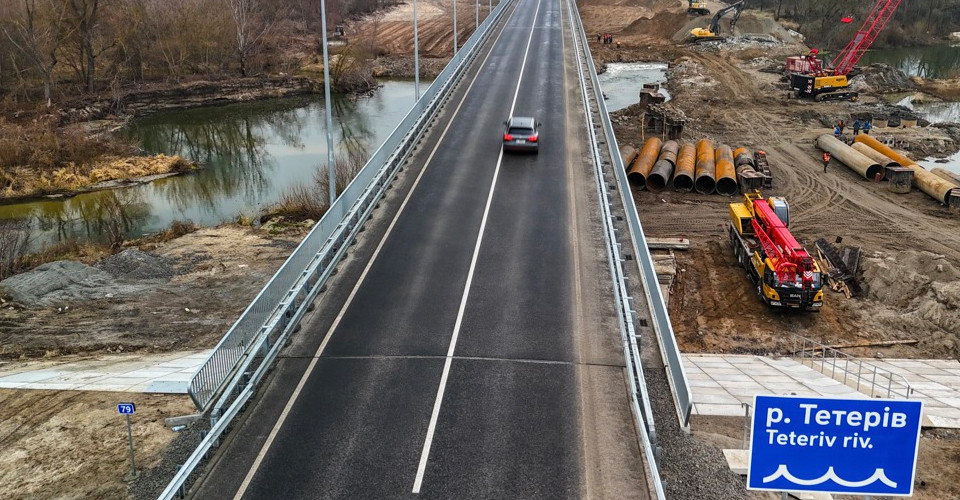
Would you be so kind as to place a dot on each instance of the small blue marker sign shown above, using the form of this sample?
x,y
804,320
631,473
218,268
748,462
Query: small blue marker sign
x,y
845,446
126,408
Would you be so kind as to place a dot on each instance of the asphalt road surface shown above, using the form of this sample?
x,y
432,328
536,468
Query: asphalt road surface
x,y
468,347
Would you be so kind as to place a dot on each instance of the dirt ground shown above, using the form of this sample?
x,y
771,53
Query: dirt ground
x,y
911,246
726,96
74,445
729,92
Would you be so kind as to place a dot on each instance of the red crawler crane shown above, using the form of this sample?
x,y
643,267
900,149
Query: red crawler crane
x,y
809,78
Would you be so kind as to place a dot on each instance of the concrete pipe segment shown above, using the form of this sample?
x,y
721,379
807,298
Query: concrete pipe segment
x,y
638,173
923,180
628,154
686,167
726,173
850,157
663,169
743,156
946,175
875,155
704,181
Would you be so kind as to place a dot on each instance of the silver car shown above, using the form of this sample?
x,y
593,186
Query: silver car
x,y
522,133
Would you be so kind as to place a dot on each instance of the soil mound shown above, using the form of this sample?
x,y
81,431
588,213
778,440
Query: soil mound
x,y
881,77
56,283
925,287
662,25
133,264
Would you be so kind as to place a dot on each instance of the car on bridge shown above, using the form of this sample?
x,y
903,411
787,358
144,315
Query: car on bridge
x,y
522,134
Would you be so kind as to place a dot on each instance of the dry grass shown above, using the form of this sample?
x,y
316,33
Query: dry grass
x,y
312,201
28,182
39,157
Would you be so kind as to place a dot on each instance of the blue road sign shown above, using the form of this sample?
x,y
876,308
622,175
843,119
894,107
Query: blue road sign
x,y
126,408
847,446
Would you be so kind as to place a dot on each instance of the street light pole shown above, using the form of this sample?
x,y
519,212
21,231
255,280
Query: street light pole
x,y
454,27
416,54
477,15
327,104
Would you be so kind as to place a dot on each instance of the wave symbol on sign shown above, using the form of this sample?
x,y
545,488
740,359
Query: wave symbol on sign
x,y
878,475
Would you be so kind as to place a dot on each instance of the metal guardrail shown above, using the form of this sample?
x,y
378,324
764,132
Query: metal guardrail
x,y
677,375
880,382
639,398
276,311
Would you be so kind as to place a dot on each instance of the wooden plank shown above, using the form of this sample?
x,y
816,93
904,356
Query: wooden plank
x,y
668,243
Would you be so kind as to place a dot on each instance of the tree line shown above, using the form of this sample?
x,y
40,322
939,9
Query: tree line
x,y
915,22
54,49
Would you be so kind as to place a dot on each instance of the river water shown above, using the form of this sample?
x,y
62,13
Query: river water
x,y
621,82
251,153
931,61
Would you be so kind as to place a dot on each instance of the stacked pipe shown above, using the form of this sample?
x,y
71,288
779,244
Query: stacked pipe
x,y
705,179
850,157
743,159
686,168
726,175
640,169
946,175
875,155
628,154
929,183
663,168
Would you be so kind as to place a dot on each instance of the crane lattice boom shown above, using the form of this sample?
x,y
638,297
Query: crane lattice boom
x,y
872,26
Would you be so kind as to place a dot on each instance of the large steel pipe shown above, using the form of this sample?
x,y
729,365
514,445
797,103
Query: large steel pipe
x,y
850,157
663,168
628,154
660,176
875,155
686,168
726,174
704,181
638,173
743,156
669,152
946,175
923,180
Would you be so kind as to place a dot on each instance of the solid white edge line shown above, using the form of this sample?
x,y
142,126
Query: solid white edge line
x,y
434,416
316,357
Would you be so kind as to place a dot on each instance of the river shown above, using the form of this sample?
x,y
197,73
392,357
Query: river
x,y
930,61
251,153
621,82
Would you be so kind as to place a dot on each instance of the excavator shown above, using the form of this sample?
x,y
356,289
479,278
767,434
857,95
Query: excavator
x,y
810,79
713,31
698,8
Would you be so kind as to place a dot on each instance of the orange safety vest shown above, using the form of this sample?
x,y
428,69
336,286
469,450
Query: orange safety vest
x,y
826,157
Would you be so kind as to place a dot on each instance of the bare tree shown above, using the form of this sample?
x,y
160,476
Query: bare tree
x,y
37,36
252,26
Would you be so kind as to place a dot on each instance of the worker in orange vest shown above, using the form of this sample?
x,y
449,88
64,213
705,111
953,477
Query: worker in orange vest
x,y
826,160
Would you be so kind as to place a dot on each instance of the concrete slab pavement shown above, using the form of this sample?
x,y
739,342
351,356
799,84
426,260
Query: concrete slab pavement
x,y
168,373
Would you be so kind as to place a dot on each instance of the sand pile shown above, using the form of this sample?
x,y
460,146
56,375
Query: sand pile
x,y
923,291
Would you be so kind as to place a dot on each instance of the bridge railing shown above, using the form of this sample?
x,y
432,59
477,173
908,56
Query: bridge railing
x,y
861,375
640,400
247,351
676,374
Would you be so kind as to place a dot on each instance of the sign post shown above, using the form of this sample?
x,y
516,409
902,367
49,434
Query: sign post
x,y
128,409
840,446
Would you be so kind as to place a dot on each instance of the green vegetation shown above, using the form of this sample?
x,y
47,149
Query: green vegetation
x,y
916,22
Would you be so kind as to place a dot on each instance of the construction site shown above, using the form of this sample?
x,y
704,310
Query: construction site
x,y
773,236
869,240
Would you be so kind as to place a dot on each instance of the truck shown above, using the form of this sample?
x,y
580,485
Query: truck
x,y
785,274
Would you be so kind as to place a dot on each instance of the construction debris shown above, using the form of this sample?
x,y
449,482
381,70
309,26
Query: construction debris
x,y
842,266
